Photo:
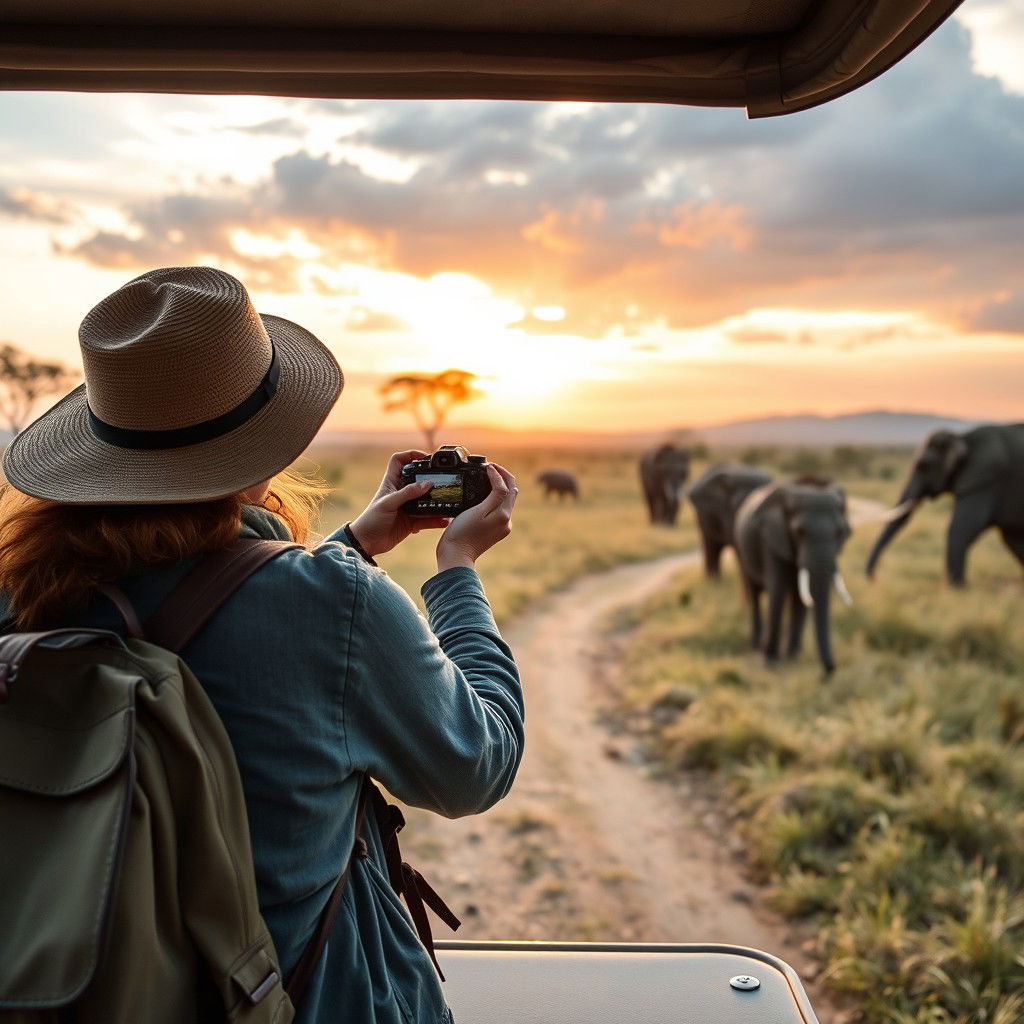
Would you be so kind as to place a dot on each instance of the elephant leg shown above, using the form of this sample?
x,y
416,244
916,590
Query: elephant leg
x,y
712,557
971,517
797,618
753,592
672,511
777,593
652,506
1015,542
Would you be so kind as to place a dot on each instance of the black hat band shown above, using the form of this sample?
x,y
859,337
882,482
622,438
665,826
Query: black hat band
x,y
197,433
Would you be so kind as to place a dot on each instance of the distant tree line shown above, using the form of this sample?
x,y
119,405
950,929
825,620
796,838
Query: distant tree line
x,y
24,382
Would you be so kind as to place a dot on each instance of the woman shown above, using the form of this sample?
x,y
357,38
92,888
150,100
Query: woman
x,y
320,667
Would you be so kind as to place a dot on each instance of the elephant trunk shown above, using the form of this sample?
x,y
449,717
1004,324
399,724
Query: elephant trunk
x,y
898,518
821,591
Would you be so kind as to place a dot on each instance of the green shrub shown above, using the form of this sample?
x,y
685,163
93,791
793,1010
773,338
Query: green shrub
x,y
809,820
893,749
721,731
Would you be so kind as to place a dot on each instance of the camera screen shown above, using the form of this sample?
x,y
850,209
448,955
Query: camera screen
x,y
446,489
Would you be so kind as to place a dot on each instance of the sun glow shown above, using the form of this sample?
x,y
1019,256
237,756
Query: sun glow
x,y
455,321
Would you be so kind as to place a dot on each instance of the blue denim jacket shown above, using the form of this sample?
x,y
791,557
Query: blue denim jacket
x,y
321,668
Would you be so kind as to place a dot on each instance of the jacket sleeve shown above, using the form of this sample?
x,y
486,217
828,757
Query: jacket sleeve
x,y
433,712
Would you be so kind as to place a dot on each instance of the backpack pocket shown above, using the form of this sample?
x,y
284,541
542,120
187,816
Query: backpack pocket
x,y
66,776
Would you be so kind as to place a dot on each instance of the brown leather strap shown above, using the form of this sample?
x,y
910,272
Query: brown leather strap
x,y
303,972
119,599
195,599
406,880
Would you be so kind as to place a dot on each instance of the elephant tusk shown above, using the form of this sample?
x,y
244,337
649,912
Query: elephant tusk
x,y
841,590
901,510
803,584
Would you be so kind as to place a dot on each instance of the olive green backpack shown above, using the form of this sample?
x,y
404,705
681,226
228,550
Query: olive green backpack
x,y
127,893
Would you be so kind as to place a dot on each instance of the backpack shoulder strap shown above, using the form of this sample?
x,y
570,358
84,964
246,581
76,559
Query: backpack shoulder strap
x,y
195,599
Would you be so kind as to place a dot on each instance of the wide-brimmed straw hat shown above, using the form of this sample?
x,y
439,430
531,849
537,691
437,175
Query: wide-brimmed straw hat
x,y
189,395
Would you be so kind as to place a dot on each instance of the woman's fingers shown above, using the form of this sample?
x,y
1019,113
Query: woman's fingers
x,y
503,491
513,491
499,492
404,458
396,499
393,474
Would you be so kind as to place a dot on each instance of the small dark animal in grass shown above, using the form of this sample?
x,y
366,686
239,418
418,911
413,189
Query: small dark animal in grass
x,y
717,495
663,472
984,471
558,481
788,538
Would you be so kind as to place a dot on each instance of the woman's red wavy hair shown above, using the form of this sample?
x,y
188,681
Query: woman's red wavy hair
x,y
54,556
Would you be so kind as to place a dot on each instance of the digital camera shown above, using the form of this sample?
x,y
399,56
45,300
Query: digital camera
x,y
459,482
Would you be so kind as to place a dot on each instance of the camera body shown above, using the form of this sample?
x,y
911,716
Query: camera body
x,y
459,481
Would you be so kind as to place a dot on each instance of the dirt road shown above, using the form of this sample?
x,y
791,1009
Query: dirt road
x,y
588,846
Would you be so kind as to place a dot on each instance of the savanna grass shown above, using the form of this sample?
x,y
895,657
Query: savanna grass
x,y
885,803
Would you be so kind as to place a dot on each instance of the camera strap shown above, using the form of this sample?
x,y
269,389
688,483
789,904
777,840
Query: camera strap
x,y
405,879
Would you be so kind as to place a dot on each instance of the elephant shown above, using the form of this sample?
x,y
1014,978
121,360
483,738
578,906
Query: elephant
x,y
717,495
788,538
663,472
560,482
984,470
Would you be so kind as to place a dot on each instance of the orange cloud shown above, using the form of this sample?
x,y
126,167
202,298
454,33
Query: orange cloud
x,y
694,225
34,205
562,232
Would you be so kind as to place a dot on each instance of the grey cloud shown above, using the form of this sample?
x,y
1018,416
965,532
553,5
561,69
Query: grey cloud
x,y
175,229
1004,315
280,126
425,128
928,141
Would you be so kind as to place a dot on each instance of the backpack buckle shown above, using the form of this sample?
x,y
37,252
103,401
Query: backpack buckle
x,y
256,974
264,988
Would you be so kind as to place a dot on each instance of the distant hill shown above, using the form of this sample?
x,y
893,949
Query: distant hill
x,y
878,428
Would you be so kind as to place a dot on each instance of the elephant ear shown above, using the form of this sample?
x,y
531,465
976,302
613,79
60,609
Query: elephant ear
x,y
977,466
773,523
953,461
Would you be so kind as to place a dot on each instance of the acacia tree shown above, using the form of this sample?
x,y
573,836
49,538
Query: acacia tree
x,y
24,381
429,398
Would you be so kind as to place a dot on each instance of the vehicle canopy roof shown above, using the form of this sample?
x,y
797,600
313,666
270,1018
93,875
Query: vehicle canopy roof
x,y
770,56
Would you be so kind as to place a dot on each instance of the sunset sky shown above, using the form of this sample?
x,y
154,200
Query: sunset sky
x,y
599,266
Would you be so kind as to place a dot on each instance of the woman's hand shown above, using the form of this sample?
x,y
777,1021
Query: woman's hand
x,y
382,525
472,532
